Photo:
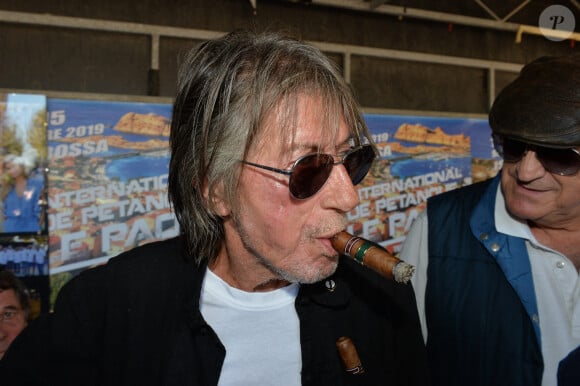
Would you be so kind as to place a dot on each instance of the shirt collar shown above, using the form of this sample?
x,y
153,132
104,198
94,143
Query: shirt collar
x,y
506,223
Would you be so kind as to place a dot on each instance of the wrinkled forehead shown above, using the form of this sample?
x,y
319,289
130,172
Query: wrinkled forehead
x,y
304,119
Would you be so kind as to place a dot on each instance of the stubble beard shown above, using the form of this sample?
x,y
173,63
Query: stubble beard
x,y
298,272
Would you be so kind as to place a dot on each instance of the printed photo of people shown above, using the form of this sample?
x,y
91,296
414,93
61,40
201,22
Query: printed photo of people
x,y
23,160
23,194
24,256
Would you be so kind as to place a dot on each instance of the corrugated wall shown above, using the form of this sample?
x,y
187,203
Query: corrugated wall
x,y
392,63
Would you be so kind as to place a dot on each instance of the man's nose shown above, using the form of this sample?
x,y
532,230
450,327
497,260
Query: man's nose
x,y
345,194
529,167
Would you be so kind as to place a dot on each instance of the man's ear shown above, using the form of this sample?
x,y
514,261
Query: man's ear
x,y
218,201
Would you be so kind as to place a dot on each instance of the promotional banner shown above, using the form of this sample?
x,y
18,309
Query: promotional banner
x,y
107,181
419,158
108,166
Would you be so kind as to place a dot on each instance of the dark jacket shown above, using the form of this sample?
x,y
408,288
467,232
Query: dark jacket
x,y
136,321
569,369
480,305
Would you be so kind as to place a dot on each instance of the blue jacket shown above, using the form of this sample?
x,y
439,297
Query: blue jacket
x,y
480,305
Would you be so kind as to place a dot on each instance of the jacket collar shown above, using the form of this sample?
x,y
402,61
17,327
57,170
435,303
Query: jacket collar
x,y
509,252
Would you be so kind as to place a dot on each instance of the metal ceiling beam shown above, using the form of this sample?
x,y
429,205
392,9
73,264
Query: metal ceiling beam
x,y
498,24
553,33
508,16
516,10
487,9
376,3
399,11
254,5
153,31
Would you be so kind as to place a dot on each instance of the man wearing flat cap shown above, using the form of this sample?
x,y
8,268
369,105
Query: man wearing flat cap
x,y
497,282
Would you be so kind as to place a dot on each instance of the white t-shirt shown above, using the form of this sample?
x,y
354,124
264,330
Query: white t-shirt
x,y
556,284
260,331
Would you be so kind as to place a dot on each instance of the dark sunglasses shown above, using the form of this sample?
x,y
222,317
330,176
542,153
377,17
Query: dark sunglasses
x,y
309,172
564,162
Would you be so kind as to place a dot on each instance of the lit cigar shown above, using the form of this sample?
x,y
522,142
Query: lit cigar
x,y
373,255
349,356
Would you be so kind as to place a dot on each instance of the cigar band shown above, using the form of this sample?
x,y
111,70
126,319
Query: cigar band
x,y
349,244
360,254
358,369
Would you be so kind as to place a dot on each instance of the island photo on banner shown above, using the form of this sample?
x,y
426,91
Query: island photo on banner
x,y
420,156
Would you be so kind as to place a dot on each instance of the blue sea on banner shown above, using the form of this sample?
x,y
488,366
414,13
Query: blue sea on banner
x,y
121,164
139,166
436,163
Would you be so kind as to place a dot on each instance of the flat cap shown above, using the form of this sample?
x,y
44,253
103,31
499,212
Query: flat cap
x,y
542,105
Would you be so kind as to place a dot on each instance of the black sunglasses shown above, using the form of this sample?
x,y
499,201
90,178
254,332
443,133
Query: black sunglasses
x,y
309,172
564,162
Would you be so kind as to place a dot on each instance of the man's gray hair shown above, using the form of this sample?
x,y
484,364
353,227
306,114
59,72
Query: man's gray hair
x,y
227,88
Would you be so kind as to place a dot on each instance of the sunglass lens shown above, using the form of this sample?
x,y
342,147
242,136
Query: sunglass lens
x,y
512,150
559,161
359,162
310,174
